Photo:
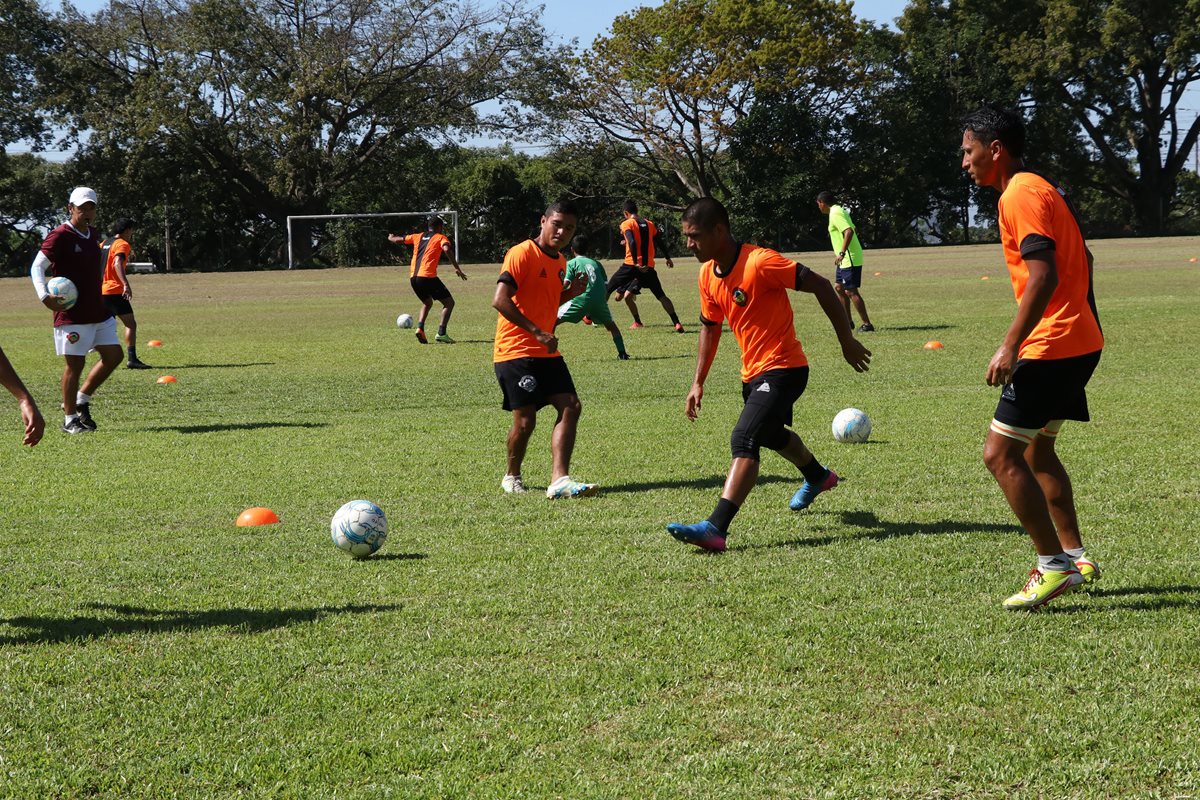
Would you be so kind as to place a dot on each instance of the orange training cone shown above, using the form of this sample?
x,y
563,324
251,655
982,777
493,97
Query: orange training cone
x,y
154,343
985,278
257,516
1192,260
933,345
877,274
167,379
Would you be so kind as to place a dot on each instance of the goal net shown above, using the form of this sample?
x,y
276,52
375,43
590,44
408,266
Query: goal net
x,y
358,240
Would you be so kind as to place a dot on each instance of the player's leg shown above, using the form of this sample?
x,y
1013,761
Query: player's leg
x,y
841,293
633,309
600,314
649,280
72,373
618,340
1052,477
111,356
562,440
439,291
1004,455
130,337
523,422
419,289
561,394
860,306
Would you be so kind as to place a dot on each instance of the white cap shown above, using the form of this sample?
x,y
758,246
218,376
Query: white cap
x,y
81,195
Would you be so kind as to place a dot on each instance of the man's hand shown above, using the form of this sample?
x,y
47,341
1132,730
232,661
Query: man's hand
x,y
548,339
1000,368
460,273
128,293
693,401
837,261
856,355
394,239
54,303
35,426
670,263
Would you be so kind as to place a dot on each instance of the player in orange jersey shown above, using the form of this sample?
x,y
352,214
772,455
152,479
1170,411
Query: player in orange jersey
x,y
117,293
531,371
1048,354
747,287
637,272
428,249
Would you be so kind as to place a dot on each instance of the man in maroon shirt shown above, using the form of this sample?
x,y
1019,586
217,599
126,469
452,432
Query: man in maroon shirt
x,y
72,250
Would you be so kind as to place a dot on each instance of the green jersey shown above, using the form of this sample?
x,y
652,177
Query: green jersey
x,y
582,265
839,221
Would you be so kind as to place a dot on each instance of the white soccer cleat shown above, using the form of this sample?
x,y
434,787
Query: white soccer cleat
x,y
565,487
513,484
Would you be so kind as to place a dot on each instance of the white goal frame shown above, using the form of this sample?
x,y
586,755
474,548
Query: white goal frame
x,y
446,212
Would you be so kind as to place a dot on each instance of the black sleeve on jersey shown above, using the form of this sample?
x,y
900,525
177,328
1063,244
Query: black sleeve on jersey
x,y
801,271
506,277
708,323
1035,243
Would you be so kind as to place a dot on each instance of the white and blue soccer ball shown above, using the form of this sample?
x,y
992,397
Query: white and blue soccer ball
x,y
359,528
851,426
64,288
404,321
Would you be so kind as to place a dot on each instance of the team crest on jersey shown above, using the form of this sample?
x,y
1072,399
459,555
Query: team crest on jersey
x,y
73,337
740,297
528,383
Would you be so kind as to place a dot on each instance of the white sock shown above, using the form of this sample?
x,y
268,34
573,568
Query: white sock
x,y
560,480
1058,563
81,398
67,419
1074,552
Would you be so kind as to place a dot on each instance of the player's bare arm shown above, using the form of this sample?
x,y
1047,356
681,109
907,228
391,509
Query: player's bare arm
x,y
573,288
119,264
502,301
855,353
847,236
35,426
448,251
710,339
394,239
1043,280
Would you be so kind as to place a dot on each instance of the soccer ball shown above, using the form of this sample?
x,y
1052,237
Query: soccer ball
x,y
404,321
64,288
851,426
359,528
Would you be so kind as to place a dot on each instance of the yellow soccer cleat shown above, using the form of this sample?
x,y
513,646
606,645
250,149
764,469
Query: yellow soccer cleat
x,y
1089,569
1042,587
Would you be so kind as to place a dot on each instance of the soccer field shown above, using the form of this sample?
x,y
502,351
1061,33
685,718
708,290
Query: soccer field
x,y
507,646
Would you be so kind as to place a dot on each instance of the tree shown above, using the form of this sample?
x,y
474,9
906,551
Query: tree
x,y
1121,68
287,102
672,80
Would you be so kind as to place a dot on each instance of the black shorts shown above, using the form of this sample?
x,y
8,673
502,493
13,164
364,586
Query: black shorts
x,y
117,304
1042,391
533,381
633,280
768,398
429,289
849,277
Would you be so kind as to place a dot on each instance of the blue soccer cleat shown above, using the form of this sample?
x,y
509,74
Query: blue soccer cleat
x,y
808,492
703,534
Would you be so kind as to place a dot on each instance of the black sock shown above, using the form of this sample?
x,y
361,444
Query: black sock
x,y
441,330
421,326
813,472
133,353
674,318
723,515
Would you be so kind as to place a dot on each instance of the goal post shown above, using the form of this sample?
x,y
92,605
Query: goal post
x,y
447,214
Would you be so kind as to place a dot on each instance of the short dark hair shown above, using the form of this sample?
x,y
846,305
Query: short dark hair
x,y
433,222
828,198
992,121
580,244
121,225
630,207
564,207
706,213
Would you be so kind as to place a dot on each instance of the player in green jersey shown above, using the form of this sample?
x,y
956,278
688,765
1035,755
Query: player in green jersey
x,y
591,306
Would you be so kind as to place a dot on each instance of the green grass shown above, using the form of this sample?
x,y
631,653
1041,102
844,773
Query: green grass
x,y
512,647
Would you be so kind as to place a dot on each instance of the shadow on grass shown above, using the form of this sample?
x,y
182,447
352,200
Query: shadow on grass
x,y
392,557
214,366
1132,598
635,357
918,328
235,426
711,482
133,620
876,529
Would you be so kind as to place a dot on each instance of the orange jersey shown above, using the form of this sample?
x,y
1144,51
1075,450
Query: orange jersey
x,y
539,281
1035,217
112,281
753,297
427,252
641,252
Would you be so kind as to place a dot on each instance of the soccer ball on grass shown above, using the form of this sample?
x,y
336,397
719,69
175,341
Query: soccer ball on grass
x,y
404,321
359,527
851,426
